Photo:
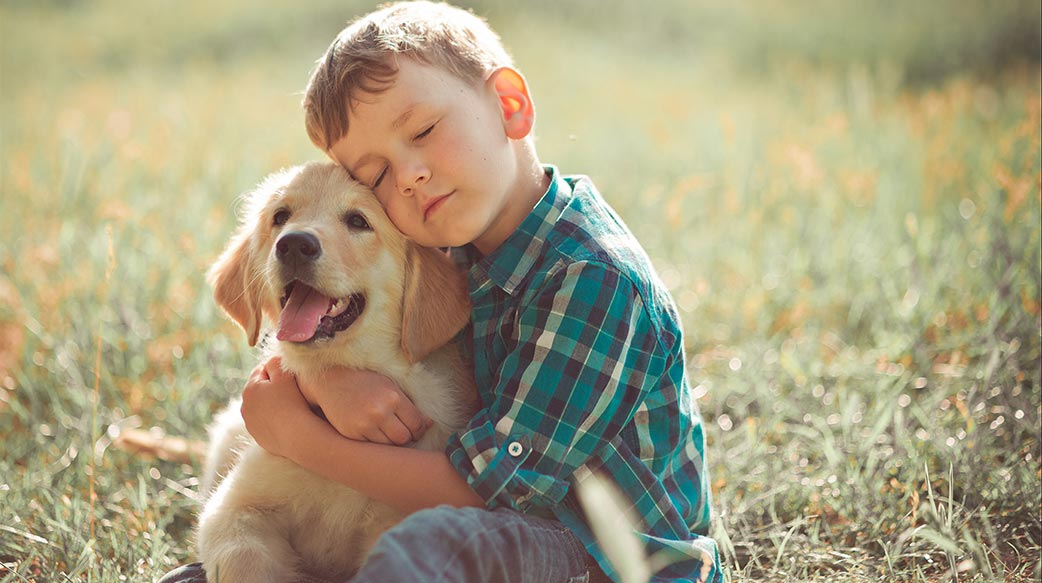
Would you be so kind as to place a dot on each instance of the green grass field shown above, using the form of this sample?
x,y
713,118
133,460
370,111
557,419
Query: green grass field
x,y
844,200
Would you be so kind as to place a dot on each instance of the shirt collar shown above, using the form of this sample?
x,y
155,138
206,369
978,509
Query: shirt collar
x,y
511,263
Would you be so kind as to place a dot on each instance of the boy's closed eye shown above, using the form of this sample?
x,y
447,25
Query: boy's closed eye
x,y
379,178
383,171
425,132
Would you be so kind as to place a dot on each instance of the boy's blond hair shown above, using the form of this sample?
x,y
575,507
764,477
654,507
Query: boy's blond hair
x,y
364,58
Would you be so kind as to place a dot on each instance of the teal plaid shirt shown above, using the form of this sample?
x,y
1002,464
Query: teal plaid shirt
x,y
579,363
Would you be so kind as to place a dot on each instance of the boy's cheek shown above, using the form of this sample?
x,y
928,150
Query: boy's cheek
x,y
399,218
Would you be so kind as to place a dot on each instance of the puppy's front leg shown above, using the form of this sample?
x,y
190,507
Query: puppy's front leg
x,y
228,439
245,546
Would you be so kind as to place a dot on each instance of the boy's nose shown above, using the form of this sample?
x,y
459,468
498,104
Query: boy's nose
x,y
412,177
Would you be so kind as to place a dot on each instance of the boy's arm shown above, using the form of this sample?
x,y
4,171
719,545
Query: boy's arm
x,y
593,382
278,417
585,356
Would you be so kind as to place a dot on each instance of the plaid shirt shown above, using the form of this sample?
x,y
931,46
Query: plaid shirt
x,y
579,363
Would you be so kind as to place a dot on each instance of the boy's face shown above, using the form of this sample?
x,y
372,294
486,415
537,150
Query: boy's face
x,y
436,151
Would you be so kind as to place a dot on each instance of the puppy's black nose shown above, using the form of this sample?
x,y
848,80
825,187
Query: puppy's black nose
x,y
298,248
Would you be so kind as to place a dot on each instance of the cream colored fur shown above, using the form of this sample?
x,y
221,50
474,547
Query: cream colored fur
x,y
267,519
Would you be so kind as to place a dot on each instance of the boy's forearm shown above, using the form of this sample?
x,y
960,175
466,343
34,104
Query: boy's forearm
x,y
405,479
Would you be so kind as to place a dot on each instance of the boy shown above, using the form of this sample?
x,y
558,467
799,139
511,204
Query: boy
x,y
576,343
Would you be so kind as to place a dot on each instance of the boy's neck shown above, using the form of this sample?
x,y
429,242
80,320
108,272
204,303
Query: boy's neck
x,y
533,183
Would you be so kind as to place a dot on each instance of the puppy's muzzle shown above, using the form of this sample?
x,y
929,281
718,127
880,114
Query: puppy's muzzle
x,y
298,249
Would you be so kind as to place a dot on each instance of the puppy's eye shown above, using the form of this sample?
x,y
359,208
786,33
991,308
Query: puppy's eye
x,y
356,221
280,217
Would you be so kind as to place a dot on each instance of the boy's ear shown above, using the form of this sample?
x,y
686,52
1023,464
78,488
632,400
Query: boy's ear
x,y
514,101
436,305
235,286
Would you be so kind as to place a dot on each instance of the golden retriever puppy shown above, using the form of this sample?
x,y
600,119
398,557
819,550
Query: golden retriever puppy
x,y
316,256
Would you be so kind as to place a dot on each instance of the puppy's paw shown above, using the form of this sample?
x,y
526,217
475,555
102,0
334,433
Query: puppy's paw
x,y
249,566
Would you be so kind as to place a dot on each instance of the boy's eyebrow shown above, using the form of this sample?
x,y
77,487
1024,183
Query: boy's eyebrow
x,y
361,163
404,117
395,125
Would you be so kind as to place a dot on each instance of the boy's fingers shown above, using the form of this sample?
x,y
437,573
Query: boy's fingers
x,y
376,435
259,373
707,564
415,422
397,433
350,432
275,372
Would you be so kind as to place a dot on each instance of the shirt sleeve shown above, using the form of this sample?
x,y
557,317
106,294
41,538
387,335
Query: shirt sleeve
x,y
584,354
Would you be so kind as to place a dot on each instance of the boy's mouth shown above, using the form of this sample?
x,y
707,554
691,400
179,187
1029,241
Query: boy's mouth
x,y
434,204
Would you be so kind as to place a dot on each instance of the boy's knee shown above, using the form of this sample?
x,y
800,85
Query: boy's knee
x,y
474,544
446,533
426,544
440,525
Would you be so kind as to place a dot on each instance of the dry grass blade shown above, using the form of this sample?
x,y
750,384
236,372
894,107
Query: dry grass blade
x,y
151,444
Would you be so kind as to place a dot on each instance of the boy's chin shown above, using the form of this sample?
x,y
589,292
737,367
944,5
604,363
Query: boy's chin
x,y
443,235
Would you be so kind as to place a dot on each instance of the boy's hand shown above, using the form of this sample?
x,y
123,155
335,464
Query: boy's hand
x,y
367,406
273,407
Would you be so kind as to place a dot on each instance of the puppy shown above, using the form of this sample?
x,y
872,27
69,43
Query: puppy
x,y
317,256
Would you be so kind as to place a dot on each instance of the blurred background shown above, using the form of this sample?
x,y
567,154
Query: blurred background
x,y
843,197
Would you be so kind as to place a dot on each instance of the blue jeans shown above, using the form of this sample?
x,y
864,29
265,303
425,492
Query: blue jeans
x,y
466,545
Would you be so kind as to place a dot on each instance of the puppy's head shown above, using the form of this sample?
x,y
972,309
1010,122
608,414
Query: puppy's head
x,y
316,256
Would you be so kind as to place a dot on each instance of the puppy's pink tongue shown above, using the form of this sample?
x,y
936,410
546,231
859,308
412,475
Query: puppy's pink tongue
x,y
304,310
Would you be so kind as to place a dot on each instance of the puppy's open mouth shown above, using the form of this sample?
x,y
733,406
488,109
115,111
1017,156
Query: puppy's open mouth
x,y
309,315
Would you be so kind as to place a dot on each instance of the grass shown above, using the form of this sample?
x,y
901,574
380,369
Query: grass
x,y
844,201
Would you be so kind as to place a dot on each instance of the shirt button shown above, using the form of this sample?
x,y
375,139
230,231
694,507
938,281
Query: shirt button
x,y
515,449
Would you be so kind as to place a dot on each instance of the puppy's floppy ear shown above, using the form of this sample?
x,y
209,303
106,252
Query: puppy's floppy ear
x,y
235,285
436,305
